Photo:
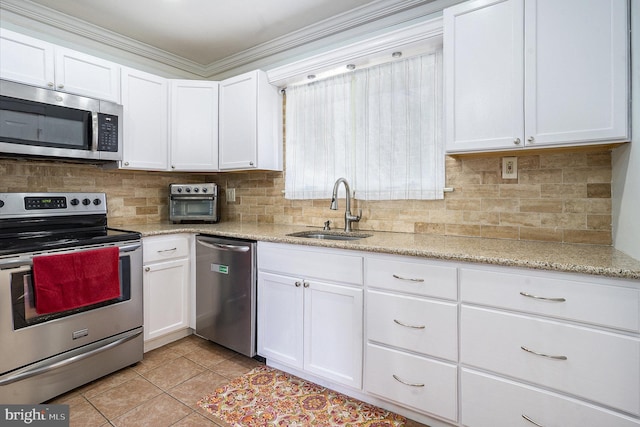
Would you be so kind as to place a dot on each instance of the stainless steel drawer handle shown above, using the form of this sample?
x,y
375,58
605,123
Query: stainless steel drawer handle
x,y
168,250
531,421
543,355
395,377
408,279
409,326
524,294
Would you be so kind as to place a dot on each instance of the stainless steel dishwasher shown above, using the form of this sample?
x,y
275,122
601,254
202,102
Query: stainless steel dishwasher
x,y
226,292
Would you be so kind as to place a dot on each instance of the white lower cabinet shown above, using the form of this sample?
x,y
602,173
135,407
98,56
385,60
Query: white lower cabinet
x,y
458,344
419,383
166,285
305,319
412,338
489,401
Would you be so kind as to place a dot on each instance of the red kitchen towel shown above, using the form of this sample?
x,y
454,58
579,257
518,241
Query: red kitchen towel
x,y
66,281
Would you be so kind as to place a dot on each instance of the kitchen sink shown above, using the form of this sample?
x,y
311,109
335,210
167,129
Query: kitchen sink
x,y
326,235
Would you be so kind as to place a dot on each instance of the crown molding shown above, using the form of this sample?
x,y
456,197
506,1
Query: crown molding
x,y
52,18
375,17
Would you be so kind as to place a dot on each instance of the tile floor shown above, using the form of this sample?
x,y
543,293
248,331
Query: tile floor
x,y
161,390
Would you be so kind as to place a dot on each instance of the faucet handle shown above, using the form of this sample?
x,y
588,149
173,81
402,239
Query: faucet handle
x,y
327,225
354,218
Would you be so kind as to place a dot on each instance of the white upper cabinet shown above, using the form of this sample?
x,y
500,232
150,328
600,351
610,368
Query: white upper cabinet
x,y
250,134
35,62
535,73
194,125
145,131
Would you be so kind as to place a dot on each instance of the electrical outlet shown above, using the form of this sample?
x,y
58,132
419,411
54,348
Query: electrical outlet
x,y
231,195
510,168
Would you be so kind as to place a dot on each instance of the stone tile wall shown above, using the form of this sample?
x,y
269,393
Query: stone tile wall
x,y
558,196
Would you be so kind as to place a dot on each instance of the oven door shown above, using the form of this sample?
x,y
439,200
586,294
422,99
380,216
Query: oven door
x,y
195,208
28,337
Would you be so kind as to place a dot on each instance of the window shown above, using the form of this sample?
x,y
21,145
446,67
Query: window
x,y
380,128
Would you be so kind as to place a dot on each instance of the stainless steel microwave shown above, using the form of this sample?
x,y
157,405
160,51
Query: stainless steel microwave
x,y
41,122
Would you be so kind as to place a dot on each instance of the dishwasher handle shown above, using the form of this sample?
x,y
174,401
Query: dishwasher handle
x,y
224,247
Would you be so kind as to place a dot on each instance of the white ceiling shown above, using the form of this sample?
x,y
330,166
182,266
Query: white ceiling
x,y
203,31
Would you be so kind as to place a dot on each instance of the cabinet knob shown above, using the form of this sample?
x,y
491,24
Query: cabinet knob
x,y
126,163
305,284
298,284
147,269
531,139
173,166
250,163
516,141
50,84
60,86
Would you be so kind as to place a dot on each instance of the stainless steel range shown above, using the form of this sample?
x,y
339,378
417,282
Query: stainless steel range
x,y
70,294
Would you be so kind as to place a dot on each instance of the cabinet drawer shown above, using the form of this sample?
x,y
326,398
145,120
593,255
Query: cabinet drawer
x,y
304,262
600,366
600,304
429,386
162,248
488,401
412,323
412,276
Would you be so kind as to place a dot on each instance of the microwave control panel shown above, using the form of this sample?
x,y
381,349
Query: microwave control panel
x,y
107,132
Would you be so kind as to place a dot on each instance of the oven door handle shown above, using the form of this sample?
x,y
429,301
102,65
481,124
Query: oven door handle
x,y
67,358
28,261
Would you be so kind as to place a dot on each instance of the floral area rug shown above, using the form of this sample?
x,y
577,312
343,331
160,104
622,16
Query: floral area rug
x,y
269,397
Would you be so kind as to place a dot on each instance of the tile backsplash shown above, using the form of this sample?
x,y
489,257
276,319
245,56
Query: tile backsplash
x,y
558,196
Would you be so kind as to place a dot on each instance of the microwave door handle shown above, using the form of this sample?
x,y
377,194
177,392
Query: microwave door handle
x,y
94,131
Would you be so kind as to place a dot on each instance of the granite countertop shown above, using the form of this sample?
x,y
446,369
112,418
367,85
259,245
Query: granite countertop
x,y
575,258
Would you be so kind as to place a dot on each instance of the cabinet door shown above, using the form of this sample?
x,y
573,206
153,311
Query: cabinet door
x,y
280,305
145,131
576,67
25,59
166,297
333,332
194,125
238,122
87,75
483,45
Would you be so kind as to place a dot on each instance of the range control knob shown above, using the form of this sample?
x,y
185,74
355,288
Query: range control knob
x,y
86,202
179,190
74,202
195,190
204,189
1,203
188,190
97,201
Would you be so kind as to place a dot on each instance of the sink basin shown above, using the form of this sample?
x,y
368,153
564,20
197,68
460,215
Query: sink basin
x,y
335,235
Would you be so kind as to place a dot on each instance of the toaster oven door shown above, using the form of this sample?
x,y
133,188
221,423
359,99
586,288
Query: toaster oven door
x,y
193,208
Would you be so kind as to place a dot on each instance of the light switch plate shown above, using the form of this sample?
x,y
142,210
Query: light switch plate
x,y
510,168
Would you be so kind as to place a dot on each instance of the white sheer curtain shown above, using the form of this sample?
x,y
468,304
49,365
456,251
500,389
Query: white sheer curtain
x,y
381,128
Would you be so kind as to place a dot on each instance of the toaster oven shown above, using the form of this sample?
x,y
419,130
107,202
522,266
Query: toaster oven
x,y
194,203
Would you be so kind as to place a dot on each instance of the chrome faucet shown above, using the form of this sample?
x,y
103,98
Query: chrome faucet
x,y
348,218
